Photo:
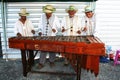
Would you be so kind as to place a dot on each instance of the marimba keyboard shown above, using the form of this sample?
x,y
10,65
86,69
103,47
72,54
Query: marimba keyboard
x,y
64,44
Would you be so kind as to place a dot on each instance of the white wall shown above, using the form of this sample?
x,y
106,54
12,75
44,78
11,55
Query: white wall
x,y
108,21
107,14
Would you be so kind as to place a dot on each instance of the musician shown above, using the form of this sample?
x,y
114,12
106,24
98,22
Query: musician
x,y
71,24
88,21
23,26
48,26
88,24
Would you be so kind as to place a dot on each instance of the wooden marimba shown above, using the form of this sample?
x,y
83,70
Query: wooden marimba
x,y
81,51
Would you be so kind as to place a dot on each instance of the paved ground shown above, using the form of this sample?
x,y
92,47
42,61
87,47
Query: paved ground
x,y
12,70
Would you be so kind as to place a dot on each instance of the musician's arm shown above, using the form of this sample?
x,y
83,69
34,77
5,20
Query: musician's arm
x,y
78,26
84,24
16,29
40,31
31,26
63,24
97,30
56,25
40,26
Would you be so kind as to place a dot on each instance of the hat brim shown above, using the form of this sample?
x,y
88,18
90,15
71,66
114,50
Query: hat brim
x,y
48,11
21,14
87,11
71,10
45,10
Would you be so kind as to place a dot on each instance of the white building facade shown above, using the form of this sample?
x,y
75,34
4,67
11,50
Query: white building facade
x,y
107,19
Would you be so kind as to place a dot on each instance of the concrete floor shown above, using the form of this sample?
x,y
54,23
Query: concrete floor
x,y
12,70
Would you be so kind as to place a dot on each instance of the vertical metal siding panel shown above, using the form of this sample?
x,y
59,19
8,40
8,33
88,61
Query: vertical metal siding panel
x,y
108,19
0,18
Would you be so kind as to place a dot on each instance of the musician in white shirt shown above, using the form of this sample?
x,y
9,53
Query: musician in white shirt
x,y
48,26
71,23
23,26
88,22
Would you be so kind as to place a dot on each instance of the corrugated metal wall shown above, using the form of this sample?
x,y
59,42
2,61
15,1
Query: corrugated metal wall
x,y
108,20
0,18
0,29
107,12
35,9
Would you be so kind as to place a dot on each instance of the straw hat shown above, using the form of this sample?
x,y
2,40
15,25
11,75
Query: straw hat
x,y
71,7
88,9
48,9
23,12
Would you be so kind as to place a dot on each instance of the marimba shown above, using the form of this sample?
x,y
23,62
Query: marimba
x,y
81,51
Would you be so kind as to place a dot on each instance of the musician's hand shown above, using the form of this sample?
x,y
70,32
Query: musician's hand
x,y
54,30
39,33
85,29
19,35
79,32
33,31
63,29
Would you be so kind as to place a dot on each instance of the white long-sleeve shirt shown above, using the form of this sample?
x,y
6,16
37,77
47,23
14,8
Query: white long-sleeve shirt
x,y
90,23
45,28
24,29
68,22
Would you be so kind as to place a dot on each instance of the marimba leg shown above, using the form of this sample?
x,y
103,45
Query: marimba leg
x,y
79,66
30,59
24,62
